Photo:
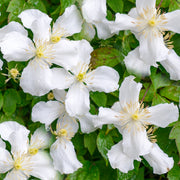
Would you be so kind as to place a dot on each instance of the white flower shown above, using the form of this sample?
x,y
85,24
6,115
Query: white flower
x,y
1,64
21,164
80,80
2,143
148,25
94,13
132,119
160,161
45,49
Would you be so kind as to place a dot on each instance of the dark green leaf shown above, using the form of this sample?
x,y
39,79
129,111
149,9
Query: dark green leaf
x,y
157,99
99,98
116,5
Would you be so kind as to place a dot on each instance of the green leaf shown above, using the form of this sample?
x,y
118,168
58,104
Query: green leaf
x,y
10,100
164,4
104,143
147,94
1,100
159,80
174,5
65,4
171,93
106,56
116,5
157,99
89,171
175,134
90,142
99,98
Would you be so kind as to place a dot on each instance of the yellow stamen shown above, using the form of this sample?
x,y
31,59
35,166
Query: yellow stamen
x,y
14,72
39,52
50,96
33,151
152,22
62,132
55,39
80,76
135,117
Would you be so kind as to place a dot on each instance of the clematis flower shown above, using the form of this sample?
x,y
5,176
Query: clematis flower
x,y
148,25
132,119
94,12
138,66
21,164
45,49
80,80
160,161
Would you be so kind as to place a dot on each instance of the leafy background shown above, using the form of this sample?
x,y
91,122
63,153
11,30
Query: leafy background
x,y
92,148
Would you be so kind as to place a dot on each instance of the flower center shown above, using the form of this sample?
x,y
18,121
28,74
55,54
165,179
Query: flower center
x,y
80,76
50,96
17,164
33,151
152,22
55,39
14,72
135,117
62,132
39,52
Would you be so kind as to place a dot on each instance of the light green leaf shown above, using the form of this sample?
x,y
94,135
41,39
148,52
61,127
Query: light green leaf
x,y
99,98
174,5
65,4
104,143
1,100
90,142
116,5
157,99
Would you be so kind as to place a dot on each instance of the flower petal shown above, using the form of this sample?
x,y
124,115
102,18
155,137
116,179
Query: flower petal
x,y
106,116
64,157
135,142
172,65
93,10
40,139
160,161
135,65
15,175
77,99
2,144
86,123
172,19
129,91
59,95
122,22
17,47
12,26
6,161
70,18
1,64
47,112
118,159
163,114
42,167
88,30
38,22
103,78
152,48
8,127
141,5
36,78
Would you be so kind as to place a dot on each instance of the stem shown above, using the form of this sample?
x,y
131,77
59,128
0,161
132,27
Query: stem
x,y
159,4
145,94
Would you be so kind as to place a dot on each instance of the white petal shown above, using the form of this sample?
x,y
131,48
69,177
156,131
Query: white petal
x,y
77,99
152,48
38,22
118,159
59,95
19,142
116,107
40,139
64,157
172,21
122,22
172,65
13,175
103,78
86,123
69,53
103,29
12,26
42,167
160,161
69,124
6,161
136,65
8,127
61,79
129,91
17,47
36,78
89,30
70,18
2,144
106,116
141,5
47,112
93,10
135,142
163,114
